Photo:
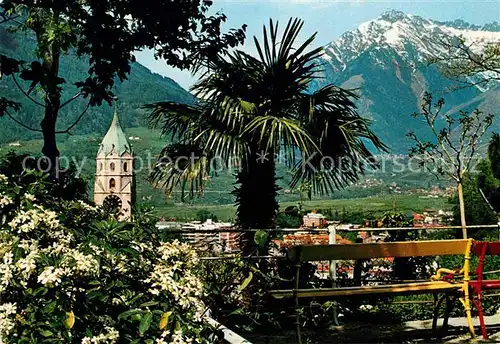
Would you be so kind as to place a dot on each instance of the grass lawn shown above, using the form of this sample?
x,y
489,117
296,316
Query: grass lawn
x,y
375,205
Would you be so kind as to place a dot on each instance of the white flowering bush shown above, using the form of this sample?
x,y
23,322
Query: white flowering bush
x,y
71,274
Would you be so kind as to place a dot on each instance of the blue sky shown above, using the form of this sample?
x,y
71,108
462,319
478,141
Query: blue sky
x,y
330,18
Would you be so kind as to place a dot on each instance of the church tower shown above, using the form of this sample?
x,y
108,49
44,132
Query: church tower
x,y
114,179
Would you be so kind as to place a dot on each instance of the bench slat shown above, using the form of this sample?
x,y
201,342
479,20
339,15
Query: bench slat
x,y
394,289
307,253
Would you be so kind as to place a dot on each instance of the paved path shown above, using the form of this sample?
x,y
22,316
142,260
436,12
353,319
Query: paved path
x,y
492,324
408,332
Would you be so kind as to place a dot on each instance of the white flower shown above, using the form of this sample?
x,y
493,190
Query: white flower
x,y
3,179
112,336
27,221
5,200
173,275
7,321
365,307
51,276
6,270
86,206
27,265
85,264
29,197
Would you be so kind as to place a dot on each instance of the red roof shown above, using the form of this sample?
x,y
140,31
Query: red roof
x,y
291,240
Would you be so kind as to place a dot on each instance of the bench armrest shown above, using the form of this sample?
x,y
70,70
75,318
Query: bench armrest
x,y
450,274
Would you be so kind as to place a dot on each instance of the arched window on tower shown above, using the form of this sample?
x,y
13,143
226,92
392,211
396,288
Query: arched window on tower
x,y
100,166
125,167
112,184
112,166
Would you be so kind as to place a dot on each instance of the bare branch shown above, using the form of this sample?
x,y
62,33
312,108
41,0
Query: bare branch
x,y
66,131
25,93
70,100
462,62
22,124
7,19
487,202
470,127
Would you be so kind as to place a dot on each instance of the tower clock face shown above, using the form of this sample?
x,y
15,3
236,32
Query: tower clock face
x,y
112,204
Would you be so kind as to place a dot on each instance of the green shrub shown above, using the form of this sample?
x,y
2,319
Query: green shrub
x,y
71,273
284,220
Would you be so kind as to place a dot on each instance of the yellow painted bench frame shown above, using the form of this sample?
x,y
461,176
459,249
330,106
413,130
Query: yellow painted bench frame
x,y
307,253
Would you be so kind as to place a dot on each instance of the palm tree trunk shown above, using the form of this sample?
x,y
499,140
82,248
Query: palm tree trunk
x,y
256,196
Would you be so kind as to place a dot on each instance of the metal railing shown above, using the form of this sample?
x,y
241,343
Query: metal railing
x,y
332,230
316,230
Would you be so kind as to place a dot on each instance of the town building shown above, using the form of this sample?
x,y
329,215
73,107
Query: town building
x,y
206,236
314,220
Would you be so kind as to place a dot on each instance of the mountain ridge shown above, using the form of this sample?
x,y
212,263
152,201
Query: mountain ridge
x,y
385,59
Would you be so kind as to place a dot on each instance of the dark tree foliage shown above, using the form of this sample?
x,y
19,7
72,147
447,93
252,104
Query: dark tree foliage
x,y
494,155
489,177
482,192
411,268
27,171
106,32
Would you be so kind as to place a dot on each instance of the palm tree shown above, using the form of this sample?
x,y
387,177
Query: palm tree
x,y
255,109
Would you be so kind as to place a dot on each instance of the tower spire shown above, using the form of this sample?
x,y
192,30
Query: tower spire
x,y
115,138
115,115
114,179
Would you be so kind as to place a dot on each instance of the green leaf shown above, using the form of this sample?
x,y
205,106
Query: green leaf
x,y
49,308
149,304
247,281
145,323
46,333
261,238
129,313
238,311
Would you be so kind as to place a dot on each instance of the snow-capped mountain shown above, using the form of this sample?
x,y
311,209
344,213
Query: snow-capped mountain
x,y
386,58
400,32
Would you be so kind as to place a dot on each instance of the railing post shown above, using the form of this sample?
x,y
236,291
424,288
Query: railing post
x,y
332,238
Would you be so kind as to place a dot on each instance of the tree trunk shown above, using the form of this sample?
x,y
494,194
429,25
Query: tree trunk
x,y
49,150
50,65
256,196
462,210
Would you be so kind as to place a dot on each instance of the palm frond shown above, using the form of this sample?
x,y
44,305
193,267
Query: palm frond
x,y
181,164
173,118
331,119
272,134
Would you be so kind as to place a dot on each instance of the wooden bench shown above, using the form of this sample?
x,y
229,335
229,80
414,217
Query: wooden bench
x,y
308,253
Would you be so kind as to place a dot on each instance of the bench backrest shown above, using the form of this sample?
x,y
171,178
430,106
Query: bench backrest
x,y
307,253
480,248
